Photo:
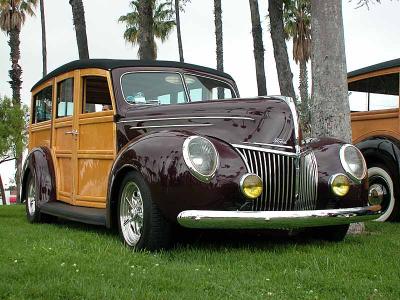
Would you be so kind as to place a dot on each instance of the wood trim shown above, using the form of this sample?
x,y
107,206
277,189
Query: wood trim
x,y
93,72
96,119
90,198
375,114
91,204
387,133
96,156
40,126
95,152
374,74
41,87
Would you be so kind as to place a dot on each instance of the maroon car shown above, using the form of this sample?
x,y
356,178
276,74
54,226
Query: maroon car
x,y
142,146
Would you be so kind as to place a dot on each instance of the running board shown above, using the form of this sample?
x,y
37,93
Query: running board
x,y
94,216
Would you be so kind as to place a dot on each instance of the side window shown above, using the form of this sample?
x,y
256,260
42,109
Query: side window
x,y
42,105
65,98
96,95
203,89
374,93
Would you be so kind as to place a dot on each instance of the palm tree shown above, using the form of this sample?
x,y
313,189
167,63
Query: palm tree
x,y
142,26
12,16
219,35
44,50
285,76
258,47
297,19
178,30
78,15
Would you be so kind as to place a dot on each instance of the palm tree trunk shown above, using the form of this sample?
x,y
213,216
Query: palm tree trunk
x,y
258,47
3,195
78,13
44,50
16,71
147,45
285,76
15,82
219,41
303,86
330,115
178,30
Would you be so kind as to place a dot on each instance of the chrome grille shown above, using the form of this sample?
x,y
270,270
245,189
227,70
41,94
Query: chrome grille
x,y
289,180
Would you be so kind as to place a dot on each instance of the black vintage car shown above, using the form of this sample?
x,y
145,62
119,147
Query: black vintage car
x,y
141,146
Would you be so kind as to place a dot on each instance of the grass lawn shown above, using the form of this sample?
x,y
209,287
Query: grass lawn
x,y
72,261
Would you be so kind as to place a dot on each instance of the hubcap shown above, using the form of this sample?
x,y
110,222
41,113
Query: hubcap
x,y
131,213
31,197
380,184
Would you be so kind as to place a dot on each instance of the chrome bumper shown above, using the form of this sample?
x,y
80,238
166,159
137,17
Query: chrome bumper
x,y
276,219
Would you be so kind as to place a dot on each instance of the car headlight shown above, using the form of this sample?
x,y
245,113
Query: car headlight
x,y
353,162
201,157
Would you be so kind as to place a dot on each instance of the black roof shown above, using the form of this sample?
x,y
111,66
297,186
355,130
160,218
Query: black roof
x,y
110,64
381,66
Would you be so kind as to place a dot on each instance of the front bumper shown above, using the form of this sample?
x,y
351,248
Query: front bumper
x,y
276,219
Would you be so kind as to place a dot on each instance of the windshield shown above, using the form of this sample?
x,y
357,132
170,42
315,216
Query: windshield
x,y
162,88
153,88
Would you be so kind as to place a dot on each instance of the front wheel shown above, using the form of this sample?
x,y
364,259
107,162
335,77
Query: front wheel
x,y
379,176
141,224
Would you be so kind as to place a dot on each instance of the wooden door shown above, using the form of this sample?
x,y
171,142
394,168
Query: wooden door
x,y
63,135
96,139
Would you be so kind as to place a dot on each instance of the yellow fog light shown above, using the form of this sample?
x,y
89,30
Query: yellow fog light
x,y
340,184
251,186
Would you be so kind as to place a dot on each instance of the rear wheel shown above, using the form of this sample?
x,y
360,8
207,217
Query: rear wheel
x,y
335,233
32,209
141,224
381,177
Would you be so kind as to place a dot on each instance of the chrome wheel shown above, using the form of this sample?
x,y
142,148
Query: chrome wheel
x,y
131,213
381,179
31,197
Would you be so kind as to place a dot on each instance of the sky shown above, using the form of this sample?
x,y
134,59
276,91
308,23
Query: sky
x,y
371,36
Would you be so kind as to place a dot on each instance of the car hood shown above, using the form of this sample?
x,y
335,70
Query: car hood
x,y
265,121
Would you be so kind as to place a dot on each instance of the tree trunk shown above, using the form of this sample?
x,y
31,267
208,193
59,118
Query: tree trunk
x,y
285,76
16,71
219,41
147,45
44,50
303,87
258,47
78,13
330,111
178,31
3,195
16,82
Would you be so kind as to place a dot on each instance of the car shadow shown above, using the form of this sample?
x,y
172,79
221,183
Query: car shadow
x,y
217,240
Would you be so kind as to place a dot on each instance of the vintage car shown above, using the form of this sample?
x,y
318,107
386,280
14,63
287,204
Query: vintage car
x,y
374,101
144,146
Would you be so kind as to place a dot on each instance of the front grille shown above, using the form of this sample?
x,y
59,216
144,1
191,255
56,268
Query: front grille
x,y
290,181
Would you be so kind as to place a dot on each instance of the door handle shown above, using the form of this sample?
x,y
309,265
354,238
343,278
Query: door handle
x,y
73,132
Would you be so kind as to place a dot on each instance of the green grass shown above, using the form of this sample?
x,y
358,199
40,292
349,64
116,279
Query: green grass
x,y
72,261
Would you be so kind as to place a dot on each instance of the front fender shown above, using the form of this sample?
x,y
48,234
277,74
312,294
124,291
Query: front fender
x,y
158,158
383,150
40,162
326,151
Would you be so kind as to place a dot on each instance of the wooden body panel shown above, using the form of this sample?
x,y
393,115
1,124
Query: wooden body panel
x,y
375,122
82,161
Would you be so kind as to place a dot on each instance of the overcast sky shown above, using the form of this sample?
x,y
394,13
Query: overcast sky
x,y
371,36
